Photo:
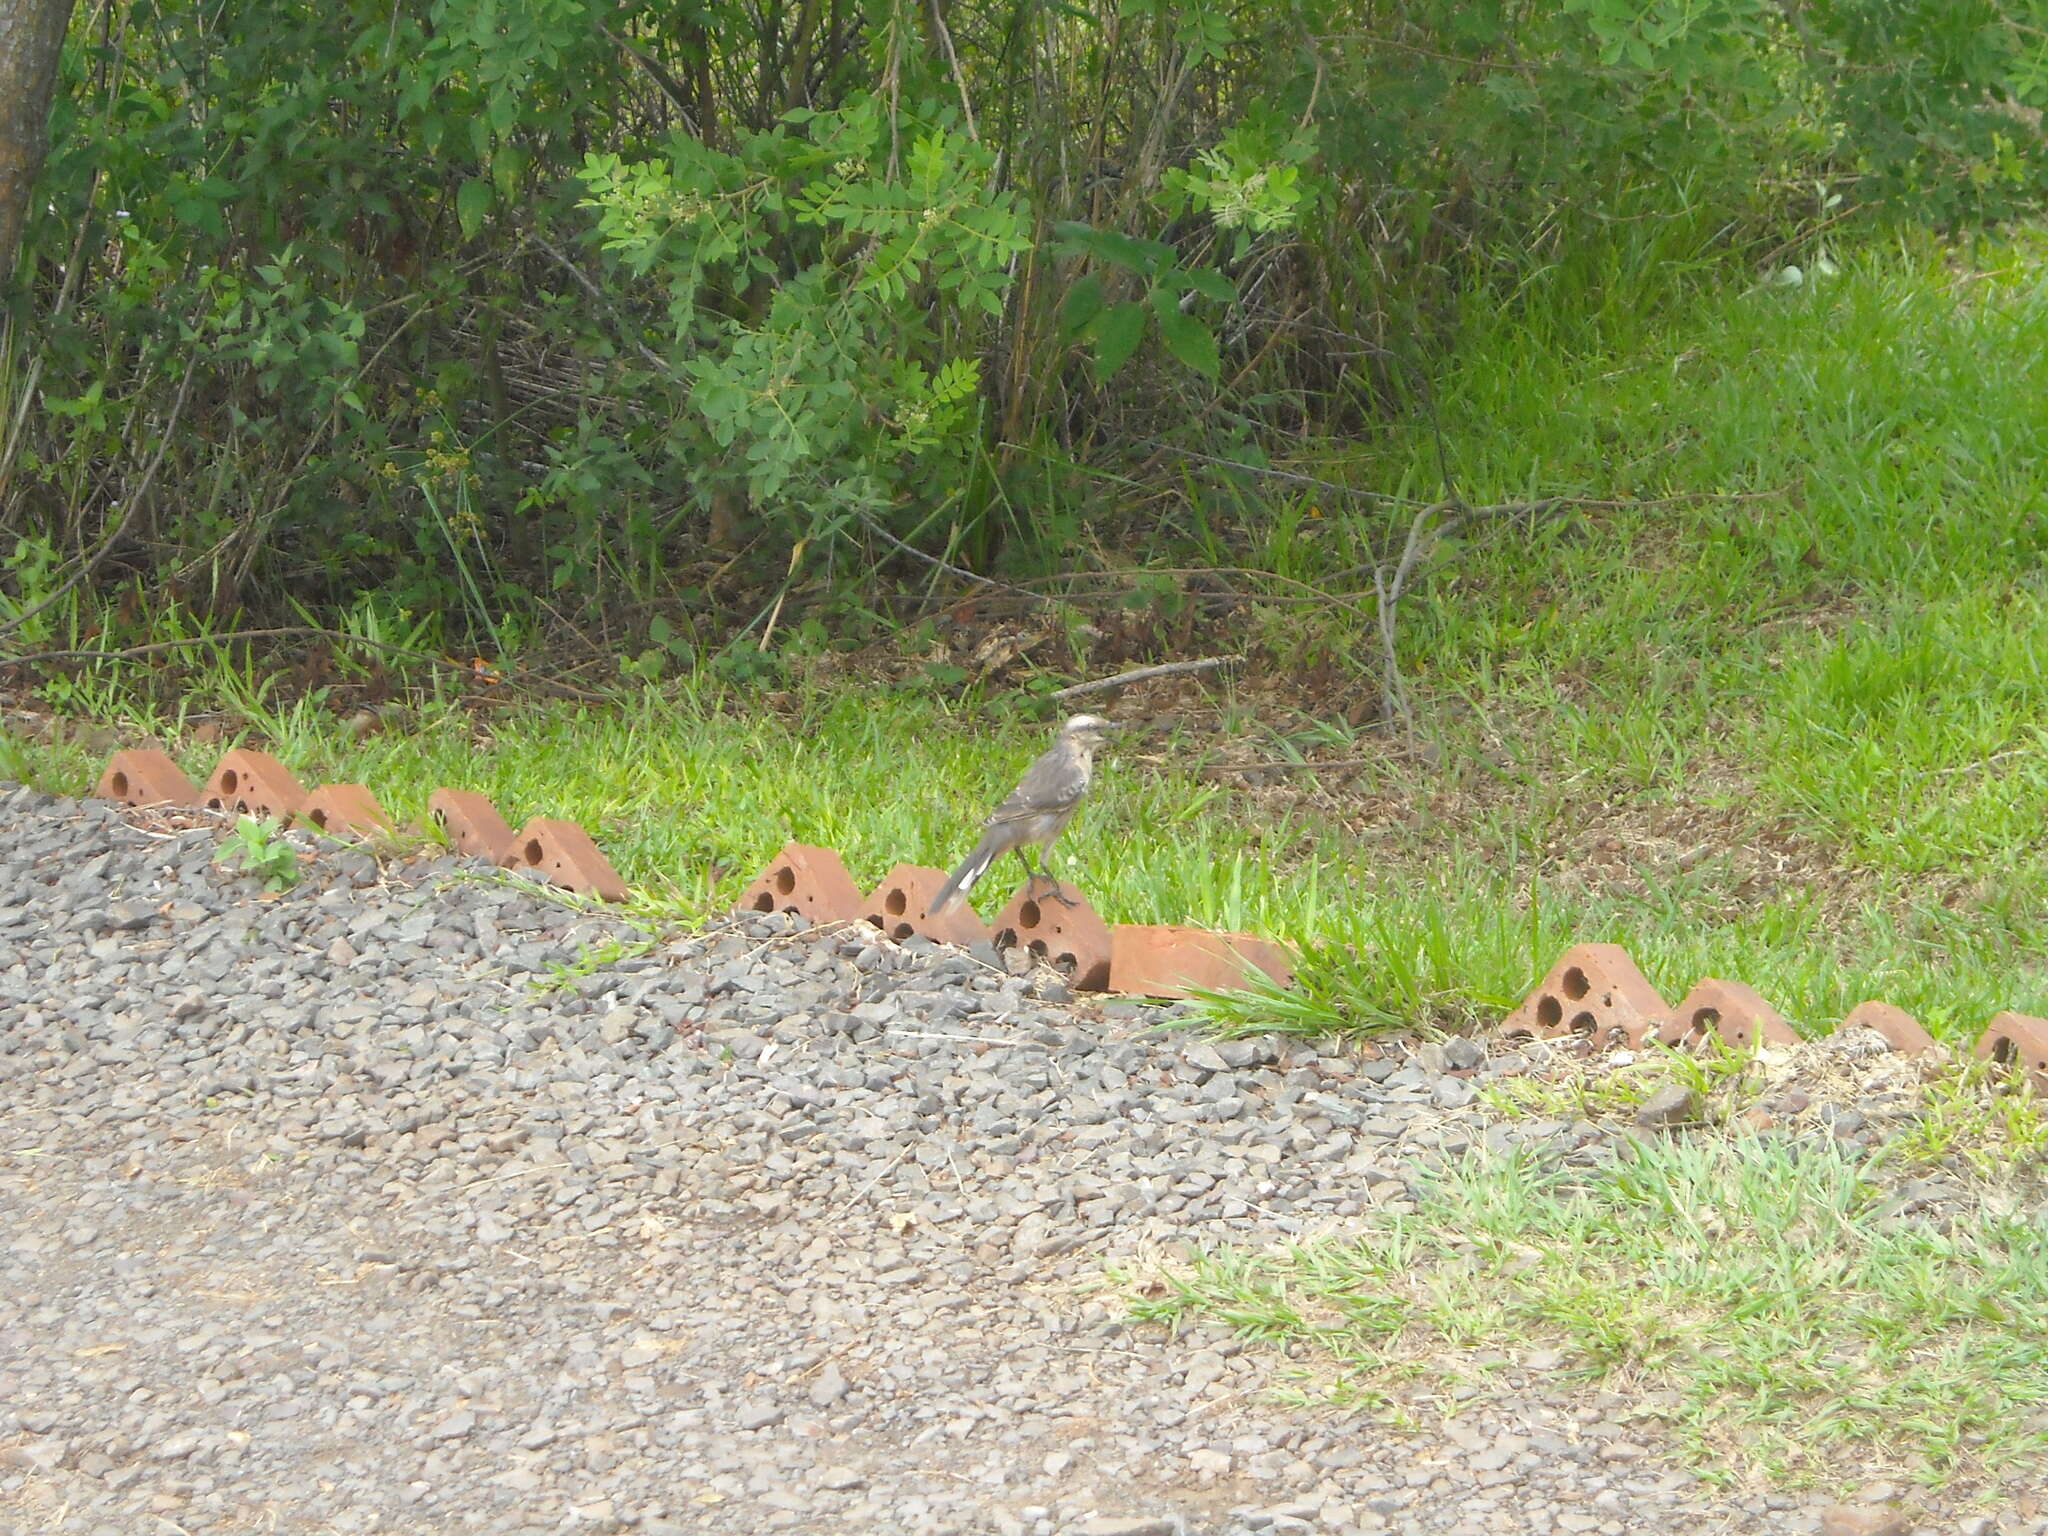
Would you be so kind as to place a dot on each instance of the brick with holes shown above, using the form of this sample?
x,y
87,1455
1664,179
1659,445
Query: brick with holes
x,y
1066,935
1595,993
1895,1024
2019,1043
809,882
146,776
565,854
1730,1010
472,824
345,810
901,906
252,783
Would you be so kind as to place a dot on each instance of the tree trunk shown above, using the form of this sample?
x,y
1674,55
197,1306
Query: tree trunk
x,y
31,40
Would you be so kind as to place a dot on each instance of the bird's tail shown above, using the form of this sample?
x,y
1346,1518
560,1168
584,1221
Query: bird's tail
x,y
963,880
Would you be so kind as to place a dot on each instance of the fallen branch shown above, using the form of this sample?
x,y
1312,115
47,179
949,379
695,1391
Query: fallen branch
x,y
1145,674
1218,770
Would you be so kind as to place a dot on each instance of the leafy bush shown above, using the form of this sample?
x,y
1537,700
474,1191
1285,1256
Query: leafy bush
x,y
488,305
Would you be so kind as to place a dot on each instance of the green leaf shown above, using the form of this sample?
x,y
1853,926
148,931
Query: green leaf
x,y
1117,332
471,204
1186,337
1083,303
1211,284
1118,250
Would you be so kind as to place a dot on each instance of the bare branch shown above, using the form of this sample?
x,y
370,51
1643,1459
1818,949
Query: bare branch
x,y
950,569
1145,674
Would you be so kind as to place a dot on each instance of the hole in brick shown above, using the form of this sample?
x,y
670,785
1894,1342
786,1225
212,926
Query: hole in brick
x,y
119,785
532,851
441,818
1007,939
230,781
1583,1024
785,880
1703,1023
1549,1011
901,932
1028,915
1038,948
1575,984
1065,963
764,902
318,818
896,903
2004,1052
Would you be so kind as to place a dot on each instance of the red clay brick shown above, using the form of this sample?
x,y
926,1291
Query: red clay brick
x,y
2018,1041
345,810
1594,992
901,906
472,824
146,776
563,852
1728,1009
1071,939
811,882
1178,962
251,783
1895,1024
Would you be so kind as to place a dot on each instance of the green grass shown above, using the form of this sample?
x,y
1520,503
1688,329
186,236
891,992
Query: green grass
x,y
1794,739
1750,1296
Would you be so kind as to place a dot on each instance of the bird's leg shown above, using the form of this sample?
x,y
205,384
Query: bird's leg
x,y
1031,876
1045,869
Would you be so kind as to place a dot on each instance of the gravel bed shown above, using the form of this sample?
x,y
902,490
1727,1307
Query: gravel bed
x,y
380,1206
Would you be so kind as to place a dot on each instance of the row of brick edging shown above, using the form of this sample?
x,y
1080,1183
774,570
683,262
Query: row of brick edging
x,y
1133,959
809,882
1596,995
251,783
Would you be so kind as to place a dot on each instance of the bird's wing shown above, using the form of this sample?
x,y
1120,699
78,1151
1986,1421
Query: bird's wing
x,y
1056,782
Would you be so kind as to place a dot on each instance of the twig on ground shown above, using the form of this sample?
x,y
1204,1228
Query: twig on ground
x,y
1217,770
1145,674
1982,762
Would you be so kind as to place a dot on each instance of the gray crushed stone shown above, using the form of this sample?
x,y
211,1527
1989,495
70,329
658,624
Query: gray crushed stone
x,y
379,1206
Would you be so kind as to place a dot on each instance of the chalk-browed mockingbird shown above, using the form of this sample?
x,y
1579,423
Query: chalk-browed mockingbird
x,y
1037,811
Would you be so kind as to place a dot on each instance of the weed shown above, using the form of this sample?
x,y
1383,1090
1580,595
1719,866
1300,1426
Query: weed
x,y
1964,1119
258,848
591,959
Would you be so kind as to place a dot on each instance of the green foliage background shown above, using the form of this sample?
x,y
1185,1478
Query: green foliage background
x,y
565,306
